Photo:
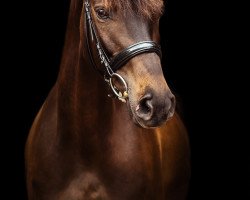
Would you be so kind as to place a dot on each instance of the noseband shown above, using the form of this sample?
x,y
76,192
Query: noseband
x,y
115,63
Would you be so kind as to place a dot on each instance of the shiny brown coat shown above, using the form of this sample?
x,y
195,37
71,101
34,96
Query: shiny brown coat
x,y
84,145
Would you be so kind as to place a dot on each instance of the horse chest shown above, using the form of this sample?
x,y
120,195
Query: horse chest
x,y
90,186
114,182
132,167
126,169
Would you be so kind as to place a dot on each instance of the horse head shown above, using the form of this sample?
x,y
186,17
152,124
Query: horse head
x,y
120,32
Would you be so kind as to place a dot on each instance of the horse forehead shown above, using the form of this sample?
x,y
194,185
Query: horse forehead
x,y
147,9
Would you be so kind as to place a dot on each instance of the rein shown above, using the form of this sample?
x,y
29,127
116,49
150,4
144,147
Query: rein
x,y
115,63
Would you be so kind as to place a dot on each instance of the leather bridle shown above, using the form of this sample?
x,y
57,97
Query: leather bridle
x,y
115,63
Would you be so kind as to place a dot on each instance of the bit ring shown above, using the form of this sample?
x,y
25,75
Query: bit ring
x,y
119,94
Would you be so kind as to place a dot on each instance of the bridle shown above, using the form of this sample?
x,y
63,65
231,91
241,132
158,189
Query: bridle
x,y
115,63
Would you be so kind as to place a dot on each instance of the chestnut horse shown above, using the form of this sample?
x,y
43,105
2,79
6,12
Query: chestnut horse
x,y
84,145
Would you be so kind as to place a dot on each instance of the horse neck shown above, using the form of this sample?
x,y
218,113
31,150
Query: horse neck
x,y
84,110
81,91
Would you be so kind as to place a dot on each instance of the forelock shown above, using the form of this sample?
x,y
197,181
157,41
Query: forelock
x,y
149,9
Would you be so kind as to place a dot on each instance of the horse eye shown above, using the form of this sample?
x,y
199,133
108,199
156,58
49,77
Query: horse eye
x,y
102,13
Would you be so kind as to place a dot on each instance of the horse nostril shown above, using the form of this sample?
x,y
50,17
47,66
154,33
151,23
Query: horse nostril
x,y
172,107
144,109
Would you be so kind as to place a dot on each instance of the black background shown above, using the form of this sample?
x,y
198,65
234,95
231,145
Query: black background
x,y
196,41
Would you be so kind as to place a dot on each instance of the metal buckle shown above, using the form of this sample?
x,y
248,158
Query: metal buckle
x,y
121,95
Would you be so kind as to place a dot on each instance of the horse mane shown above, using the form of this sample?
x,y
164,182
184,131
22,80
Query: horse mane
x,y
72,38
148,9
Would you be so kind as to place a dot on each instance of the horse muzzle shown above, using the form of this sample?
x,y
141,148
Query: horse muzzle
x,y
153,110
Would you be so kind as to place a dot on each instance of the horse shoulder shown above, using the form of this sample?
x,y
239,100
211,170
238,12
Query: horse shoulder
x,y
40,146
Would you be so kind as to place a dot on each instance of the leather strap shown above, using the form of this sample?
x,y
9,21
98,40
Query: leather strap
x,y
139,48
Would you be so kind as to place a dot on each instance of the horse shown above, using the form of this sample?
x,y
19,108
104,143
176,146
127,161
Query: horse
x,y
108,128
